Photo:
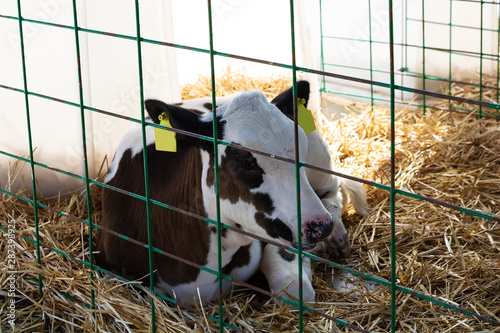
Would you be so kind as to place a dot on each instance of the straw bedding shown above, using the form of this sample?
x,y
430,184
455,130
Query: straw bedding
x,y
443,253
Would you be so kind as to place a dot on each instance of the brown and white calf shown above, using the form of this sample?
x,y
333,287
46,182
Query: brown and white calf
x,y
257,194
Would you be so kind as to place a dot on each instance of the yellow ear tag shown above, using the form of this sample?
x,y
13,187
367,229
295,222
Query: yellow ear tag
x,y
165,140
306,120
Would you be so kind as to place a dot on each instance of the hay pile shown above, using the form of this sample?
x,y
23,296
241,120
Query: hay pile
x,y
233,81
441,252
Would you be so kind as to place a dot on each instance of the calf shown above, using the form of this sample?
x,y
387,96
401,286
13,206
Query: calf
x,y
257,194
334,192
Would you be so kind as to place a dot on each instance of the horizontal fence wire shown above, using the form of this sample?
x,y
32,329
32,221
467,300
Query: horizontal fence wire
x,y
36,204
273,156
275,64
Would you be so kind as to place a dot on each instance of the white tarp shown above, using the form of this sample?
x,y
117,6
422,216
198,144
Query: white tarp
x,y
110,82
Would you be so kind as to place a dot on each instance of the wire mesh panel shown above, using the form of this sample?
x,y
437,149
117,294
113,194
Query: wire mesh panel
x,y
392,60
436,44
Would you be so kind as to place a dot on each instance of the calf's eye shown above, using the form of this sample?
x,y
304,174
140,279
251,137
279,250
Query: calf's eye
x,y
242,160
248,162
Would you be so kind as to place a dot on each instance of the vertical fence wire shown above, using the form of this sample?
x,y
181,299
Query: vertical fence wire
x,y
404,51
30,146
424,104
220,276
145,161
393,169
85,155
297,168
370,53
450,54
322,40
497,49
402,46
481,54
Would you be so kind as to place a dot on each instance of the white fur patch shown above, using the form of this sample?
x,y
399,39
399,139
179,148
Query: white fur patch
x,y
206,285
132,140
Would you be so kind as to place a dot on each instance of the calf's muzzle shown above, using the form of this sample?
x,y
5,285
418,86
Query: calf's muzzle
x,y
316,230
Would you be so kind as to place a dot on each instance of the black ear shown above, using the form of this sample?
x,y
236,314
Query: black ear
x,y
185,120
284,101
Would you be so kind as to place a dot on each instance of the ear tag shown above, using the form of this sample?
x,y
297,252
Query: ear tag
x,y
165,140
306,120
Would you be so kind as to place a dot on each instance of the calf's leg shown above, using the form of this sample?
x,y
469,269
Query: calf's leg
x,y
280,268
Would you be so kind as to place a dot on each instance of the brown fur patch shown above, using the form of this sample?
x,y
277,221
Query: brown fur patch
x,y
240,258
196,111
208,106
235,183
175,179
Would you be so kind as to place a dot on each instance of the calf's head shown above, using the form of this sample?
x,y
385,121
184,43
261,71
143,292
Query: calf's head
x,y
257,193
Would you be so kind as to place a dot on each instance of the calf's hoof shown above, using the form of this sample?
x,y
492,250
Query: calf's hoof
x,y
338,246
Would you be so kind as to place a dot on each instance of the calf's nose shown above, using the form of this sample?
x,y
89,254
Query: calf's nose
x,y
317,229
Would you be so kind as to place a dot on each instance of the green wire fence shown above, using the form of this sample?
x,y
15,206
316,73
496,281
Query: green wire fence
x,y
406,70
327,72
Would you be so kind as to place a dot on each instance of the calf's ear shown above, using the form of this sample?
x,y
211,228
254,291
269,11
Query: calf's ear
x,y
284,101
183,119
